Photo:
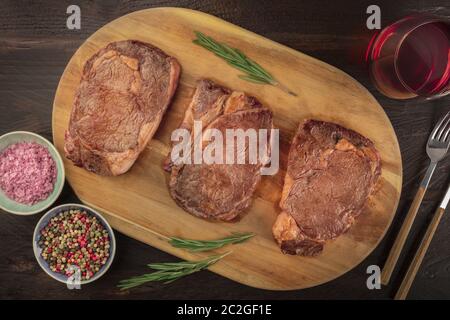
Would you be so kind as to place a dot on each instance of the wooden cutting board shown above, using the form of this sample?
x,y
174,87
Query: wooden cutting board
x,y
138,203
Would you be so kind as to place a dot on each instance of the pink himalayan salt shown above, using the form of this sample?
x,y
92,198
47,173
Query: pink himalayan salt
x,y
27,172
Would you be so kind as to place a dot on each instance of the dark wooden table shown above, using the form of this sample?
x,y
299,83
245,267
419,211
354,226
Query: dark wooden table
x,y
35,46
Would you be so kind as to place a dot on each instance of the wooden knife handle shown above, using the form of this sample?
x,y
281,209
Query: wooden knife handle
x,y
401,237
420,254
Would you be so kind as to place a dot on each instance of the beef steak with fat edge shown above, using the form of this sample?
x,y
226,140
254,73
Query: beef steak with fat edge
x,y
124,91
219,191
331,173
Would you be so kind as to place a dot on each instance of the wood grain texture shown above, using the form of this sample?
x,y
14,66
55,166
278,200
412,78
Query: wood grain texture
x,y
35,48
402,235
138,203
402,292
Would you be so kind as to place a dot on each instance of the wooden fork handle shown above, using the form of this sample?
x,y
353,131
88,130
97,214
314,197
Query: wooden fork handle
x,y
401,237
420,254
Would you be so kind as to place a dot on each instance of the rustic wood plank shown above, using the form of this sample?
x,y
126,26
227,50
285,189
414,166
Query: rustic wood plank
x,y
36,39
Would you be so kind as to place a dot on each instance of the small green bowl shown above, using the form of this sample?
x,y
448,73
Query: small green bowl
x,y
14,207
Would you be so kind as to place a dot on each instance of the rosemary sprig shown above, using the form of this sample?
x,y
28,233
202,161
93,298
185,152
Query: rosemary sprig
x,y
205,245
170,271
235,58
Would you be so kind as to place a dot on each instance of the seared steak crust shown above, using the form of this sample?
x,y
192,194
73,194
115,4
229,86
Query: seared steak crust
x,y
331,173
219,191
124,91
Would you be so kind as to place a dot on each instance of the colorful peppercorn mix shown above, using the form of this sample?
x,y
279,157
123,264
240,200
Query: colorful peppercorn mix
x,y
74,237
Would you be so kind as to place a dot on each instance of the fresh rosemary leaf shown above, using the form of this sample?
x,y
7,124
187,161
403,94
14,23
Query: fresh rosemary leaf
x,y
253,72
164,267
172,265
251,79
205,245
170,271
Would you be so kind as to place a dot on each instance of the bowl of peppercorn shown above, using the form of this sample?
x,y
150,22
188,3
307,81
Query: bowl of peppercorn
x,y
74,244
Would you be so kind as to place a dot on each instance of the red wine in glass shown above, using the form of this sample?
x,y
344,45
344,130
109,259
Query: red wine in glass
x,y
411,58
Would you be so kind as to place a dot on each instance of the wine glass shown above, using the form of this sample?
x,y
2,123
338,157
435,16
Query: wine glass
x,y
411,58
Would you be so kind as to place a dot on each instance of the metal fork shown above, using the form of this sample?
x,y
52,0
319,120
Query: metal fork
x,y
437,147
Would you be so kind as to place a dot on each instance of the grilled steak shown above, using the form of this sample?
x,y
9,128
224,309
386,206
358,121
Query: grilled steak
x,y
219,191
124,91
331,173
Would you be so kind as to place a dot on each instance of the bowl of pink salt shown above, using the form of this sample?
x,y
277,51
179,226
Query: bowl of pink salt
x,y
31,173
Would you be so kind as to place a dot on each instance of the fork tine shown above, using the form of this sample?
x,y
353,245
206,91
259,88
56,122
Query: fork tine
x,y
438,126
444,139
440,134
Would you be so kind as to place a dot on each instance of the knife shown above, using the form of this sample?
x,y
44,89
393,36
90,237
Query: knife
x,y
415,264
